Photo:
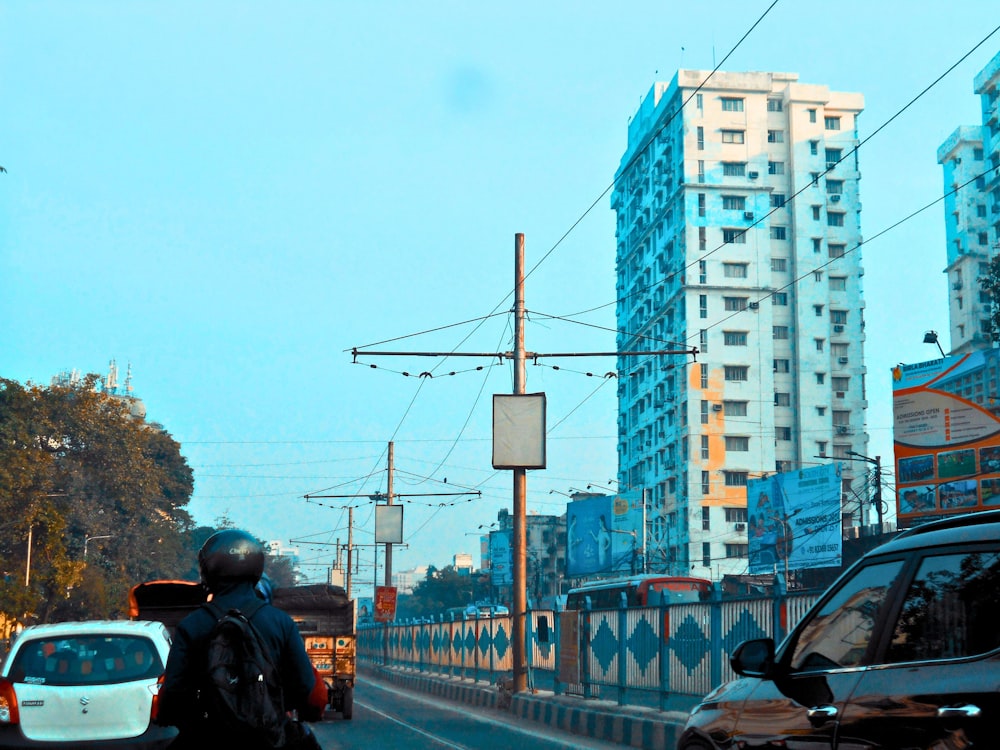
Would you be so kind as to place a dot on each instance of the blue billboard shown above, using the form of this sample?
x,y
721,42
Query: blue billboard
x,y
604,535
501,560
795,516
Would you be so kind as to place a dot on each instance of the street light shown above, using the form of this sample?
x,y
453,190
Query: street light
x,y
88,539
931,337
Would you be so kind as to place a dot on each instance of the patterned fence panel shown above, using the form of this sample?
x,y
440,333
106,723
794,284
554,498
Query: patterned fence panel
x,y
742,621
643,627
542,655
602,648
689,647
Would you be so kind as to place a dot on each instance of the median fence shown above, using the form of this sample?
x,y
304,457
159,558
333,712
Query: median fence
x,y
645,655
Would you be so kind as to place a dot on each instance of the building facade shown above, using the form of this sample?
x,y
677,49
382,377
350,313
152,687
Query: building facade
x,y
970,162
738,227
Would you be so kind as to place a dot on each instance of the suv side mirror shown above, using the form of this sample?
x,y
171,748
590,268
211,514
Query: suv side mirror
x,y
753,658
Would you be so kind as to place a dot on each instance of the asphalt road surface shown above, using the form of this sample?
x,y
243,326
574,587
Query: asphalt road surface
x,y
388,717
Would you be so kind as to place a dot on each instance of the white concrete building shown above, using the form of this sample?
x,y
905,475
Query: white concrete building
x,y
738,223
970,158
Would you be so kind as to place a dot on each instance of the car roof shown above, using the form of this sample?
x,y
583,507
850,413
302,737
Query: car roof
x,y
983,526
148,628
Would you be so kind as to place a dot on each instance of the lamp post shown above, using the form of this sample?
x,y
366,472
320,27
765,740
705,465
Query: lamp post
x,y
931,337
88,539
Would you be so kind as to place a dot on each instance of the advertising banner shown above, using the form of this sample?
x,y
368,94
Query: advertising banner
x,y
795,516
604,535
385,603
946,442
501,561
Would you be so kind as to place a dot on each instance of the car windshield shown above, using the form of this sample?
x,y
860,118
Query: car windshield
x,y
85,660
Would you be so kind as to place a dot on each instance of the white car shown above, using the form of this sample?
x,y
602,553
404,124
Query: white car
x,y
82,684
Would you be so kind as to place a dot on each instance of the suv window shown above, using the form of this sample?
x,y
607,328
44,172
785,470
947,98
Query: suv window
x,y
950,610
85,660
838,634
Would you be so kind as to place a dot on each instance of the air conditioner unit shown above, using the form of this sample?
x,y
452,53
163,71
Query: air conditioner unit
x,y
752,175
838,329
835,197
838,394
754,305
716,407
843,429
831,164
842,360
748,215
741,527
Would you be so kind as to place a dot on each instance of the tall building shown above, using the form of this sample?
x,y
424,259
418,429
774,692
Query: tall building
x,y
738,223
970,158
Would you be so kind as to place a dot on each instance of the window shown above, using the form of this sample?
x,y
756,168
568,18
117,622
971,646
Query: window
x,y
820,378
977,154
840,383
735,515
779,233
818,310
841,417
781,466
779,299
779,264
820,411
732,104
734,338
812,115
702,239
819,344
838,634
734,304
777,200
776,167
706,554
836,250
840,350
701,138
736,373
704,411
734,168
831,123
704,447
781,365
780,333
734,270
732,136
981,211
983,238
734,236
813,146
734,202
737,443
817,276
774,105
701,204
775,136
815,210
701,170
821,447
699,101
702,272
735,478
834,218
703,375
835,187
833,155
702,305
703,340
705,485
838,317
782,433
782,399
944,614
734,408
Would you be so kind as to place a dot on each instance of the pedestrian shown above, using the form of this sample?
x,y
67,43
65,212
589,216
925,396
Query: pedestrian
x,y
231,563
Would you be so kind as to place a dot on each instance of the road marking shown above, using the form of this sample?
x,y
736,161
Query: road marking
x,y
411,727
513,724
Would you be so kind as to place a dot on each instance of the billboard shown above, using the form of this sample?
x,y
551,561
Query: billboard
x,y
604,535
795,516
501,560
946,442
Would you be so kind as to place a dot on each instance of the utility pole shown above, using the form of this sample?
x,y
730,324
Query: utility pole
x,y
877,463
350,549
388,501
520,538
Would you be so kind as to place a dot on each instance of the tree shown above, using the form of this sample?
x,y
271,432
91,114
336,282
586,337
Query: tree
x,y
990,283
101,495
440,590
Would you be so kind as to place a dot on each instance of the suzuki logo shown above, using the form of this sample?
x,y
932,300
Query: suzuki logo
x,y
85,701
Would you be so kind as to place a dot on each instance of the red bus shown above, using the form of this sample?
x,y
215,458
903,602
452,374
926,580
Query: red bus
x,y
606,594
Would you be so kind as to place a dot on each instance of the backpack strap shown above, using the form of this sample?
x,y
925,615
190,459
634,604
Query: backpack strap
x,y
248,612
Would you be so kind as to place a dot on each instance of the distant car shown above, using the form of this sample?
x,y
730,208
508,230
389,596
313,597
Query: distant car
x,y
84,684
903,651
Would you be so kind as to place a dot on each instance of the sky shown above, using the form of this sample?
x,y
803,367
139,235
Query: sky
x,y
230,197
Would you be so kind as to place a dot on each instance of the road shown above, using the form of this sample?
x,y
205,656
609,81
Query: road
x,y
385,716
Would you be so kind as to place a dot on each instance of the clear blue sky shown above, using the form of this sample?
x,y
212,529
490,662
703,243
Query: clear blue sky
x,y
229,195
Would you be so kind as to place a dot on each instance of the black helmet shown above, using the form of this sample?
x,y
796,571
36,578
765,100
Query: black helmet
x,y
230,556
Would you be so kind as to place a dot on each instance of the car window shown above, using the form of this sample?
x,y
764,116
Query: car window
x,y
838,634
951,609
85,660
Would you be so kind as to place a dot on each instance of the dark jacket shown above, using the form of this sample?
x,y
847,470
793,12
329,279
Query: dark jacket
x,y
187,663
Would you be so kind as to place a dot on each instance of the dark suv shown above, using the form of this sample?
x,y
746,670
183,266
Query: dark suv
x,y
903,651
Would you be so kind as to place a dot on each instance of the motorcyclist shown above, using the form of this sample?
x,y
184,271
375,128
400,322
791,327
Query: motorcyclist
x,y
231,563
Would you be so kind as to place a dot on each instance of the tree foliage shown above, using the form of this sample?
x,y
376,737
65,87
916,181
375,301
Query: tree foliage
x,y
101,495
441,590
990,283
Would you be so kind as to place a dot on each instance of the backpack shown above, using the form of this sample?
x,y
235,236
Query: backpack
x,y
242,692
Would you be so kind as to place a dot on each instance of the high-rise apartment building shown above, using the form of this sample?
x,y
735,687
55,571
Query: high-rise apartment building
x,y
970,160
738,227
